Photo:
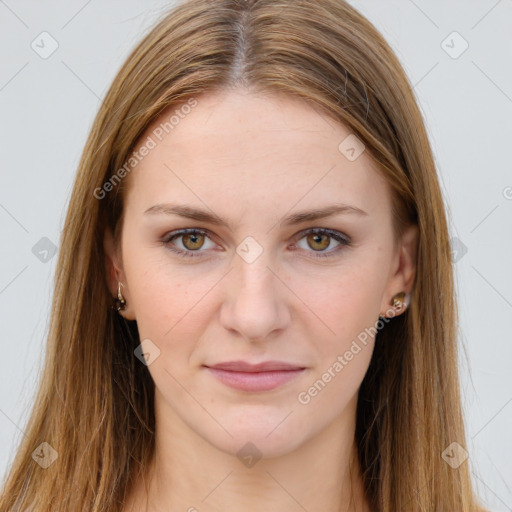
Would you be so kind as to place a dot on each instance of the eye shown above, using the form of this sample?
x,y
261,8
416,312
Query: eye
x,y
320,239
191,241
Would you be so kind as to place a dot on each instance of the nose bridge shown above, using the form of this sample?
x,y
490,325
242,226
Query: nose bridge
x,y
252,261
256,303
255,278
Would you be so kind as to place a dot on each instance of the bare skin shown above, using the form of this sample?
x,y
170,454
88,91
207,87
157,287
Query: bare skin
x,y
254,160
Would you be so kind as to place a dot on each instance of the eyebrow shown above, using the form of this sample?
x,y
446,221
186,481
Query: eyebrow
x,y
296,218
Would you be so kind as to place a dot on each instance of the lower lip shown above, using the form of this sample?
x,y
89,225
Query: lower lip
x,y
255,381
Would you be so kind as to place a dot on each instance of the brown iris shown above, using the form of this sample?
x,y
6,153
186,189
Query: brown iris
x,y
316,238
193,238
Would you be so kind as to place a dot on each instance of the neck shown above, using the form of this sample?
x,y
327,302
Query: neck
x,y
189,474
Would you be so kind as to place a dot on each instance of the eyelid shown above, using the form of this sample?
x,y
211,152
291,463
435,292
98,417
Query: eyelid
x,y
333,233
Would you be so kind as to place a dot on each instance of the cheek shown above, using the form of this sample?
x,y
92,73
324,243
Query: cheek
x,y
343,340
169,301
344,300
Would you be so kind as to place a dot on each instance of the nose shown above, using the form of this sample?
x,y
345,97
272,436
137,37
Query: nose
x,y
257,305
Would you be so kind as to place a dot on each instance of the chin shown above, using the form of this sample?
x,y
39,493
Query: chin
x,y
267,435
242,446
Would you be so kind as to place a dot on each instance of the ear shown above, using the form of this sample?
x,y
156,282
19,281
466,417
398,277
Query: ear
x,y
404,268
115,273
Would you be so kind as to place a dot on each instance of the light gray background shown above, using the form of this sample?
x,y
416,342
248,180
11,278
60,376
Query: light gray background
x,y
47,108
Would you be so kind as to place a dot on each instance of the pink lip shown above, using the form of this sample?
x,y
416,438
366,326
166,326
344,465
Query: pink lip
x,y
255,377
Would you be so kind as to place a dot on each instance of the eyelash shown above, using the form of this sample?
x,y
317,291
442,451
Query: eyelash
x,y
336,235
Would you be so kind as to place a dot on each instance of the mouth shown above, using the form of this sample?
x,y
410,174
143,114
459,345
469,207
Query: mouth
x,y
255,377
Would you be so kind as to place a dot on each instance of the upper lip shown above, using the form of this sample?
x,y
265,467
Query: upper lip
x,y
267,366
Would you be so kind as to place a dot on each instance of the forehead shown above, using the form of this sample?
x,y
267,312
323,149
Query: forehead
x,y
244,149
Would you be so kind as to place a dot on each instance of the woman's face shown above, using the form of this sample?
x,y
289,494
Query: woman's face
x,y
256,280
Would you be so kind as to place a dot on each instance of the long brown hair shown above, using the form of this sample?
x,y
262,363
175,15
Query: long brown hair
x,y
94,404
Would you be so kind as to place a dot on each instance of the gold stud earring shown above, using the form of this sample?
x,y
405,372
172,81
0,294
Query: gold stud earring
x,y
399,302
119,301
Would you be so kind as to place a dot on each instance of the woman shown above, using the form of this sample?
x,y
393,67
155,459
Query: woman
x,y
254,304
